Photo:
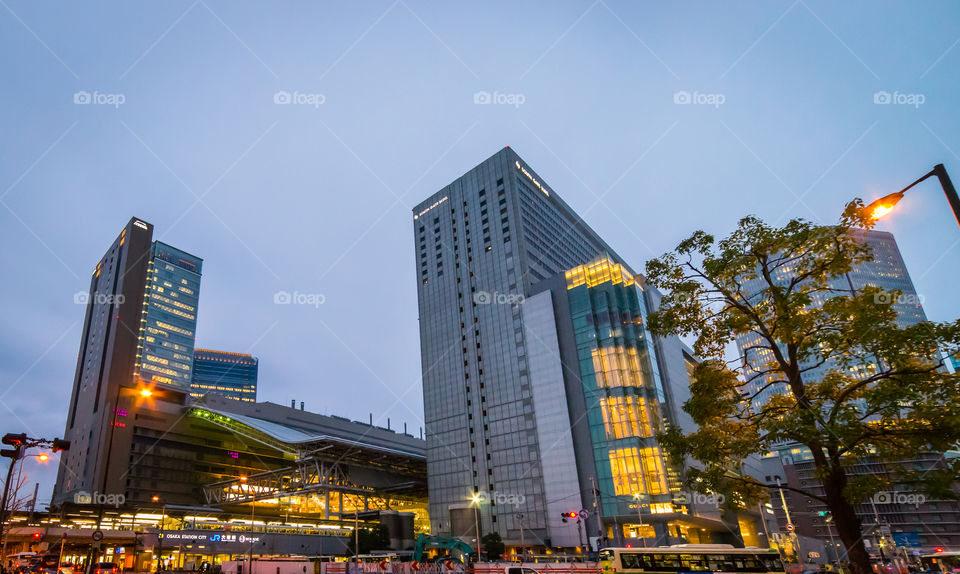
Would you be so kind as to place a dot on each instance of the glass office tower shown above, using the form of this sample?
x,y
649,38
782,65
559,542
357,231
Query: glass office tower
x,y
169,323
232,375
887,271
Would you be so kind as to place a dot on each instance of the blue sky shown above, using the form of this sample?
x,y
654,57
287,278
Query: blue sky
x,y
314,196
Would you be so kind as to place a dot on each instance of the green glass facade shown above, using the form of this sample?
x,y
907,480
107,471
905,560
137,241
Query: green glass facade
x,y
622,388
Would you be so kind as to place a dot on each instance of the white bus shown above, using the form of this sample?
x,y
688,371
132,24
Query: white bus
x,y
685,558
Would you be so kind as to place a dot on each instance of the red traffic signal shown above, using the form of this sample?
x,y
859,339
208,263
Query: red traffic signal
x,y
60,444
37,535
938,549
16,440
564,516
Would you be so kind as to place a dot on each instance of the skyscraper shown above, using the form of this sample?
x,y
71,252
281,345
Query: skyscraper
x,y
792,462
169,324
497,230
137,336
887,271
232,375
504,415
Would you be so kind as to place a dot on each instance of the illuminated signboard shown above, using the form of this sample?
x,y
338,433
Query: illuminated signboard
x,y
213,537
419,215
140,224
529,175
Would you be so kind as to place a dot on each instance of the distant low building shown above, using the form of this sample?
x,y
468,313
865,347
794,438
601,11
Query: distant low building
x,y
232,375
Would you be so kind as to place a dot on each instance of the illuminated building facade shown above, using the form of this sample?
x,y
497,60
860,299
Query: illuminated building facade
x,y
502,415
169,323
288,479
233,375
622,386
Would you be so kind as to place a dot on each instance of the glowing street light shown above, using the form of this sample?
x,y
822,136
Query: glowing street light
x,y
884,205
475,503
146,393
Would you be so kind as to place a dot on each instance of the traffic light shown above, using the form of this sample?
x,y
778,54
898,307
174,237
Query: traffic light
x,y
36,536
16,441
60,444
938,549
564,516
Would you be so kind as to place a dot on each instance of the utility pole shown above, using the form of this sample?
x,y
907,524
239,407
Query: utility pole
x,y
596,510
786,511
876,515
523,544
643,541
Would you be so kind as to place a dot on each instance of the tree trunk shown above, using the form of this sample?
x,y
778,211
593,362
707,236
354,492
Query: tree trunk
x,y
849,527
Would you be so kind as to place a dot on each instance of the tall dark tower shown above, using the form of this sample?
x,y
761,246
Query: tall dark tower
x,y
138,339
106,361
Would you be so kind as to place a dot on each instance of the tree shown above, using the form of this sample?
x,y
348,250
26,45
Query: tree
x,y
493,546
376,538
885,394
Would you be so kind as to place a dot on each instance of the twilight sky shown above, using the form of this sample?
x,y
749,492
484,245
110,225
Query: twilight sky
x,y
650,119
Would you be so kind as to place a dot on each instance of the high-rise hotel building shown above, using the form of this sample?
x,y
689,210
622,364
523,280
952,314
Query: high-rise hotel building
x,y
138,338
542,388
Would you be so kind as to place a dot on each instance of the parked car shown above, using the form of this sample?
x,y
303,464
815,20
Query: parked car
x,y
105,568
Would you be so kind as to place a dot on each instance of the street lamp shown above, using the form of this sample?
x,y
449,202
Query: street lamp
x,y
643,541
475,503
163,516
884,205
42,457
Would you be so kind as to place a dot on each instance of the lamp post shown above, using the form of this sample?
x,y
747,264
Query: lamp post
x,y
475,503
884,205
42,457
643,541
523,544
163,515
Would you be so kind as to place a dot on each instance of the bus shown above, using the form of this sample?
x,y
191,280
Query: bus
x,y
687,558
946,562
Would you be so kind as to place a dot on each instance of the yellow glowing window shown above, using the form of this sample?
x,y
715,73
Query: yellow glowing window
x,y
625,417
625,467
617,367
597,272
633,476
656,478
